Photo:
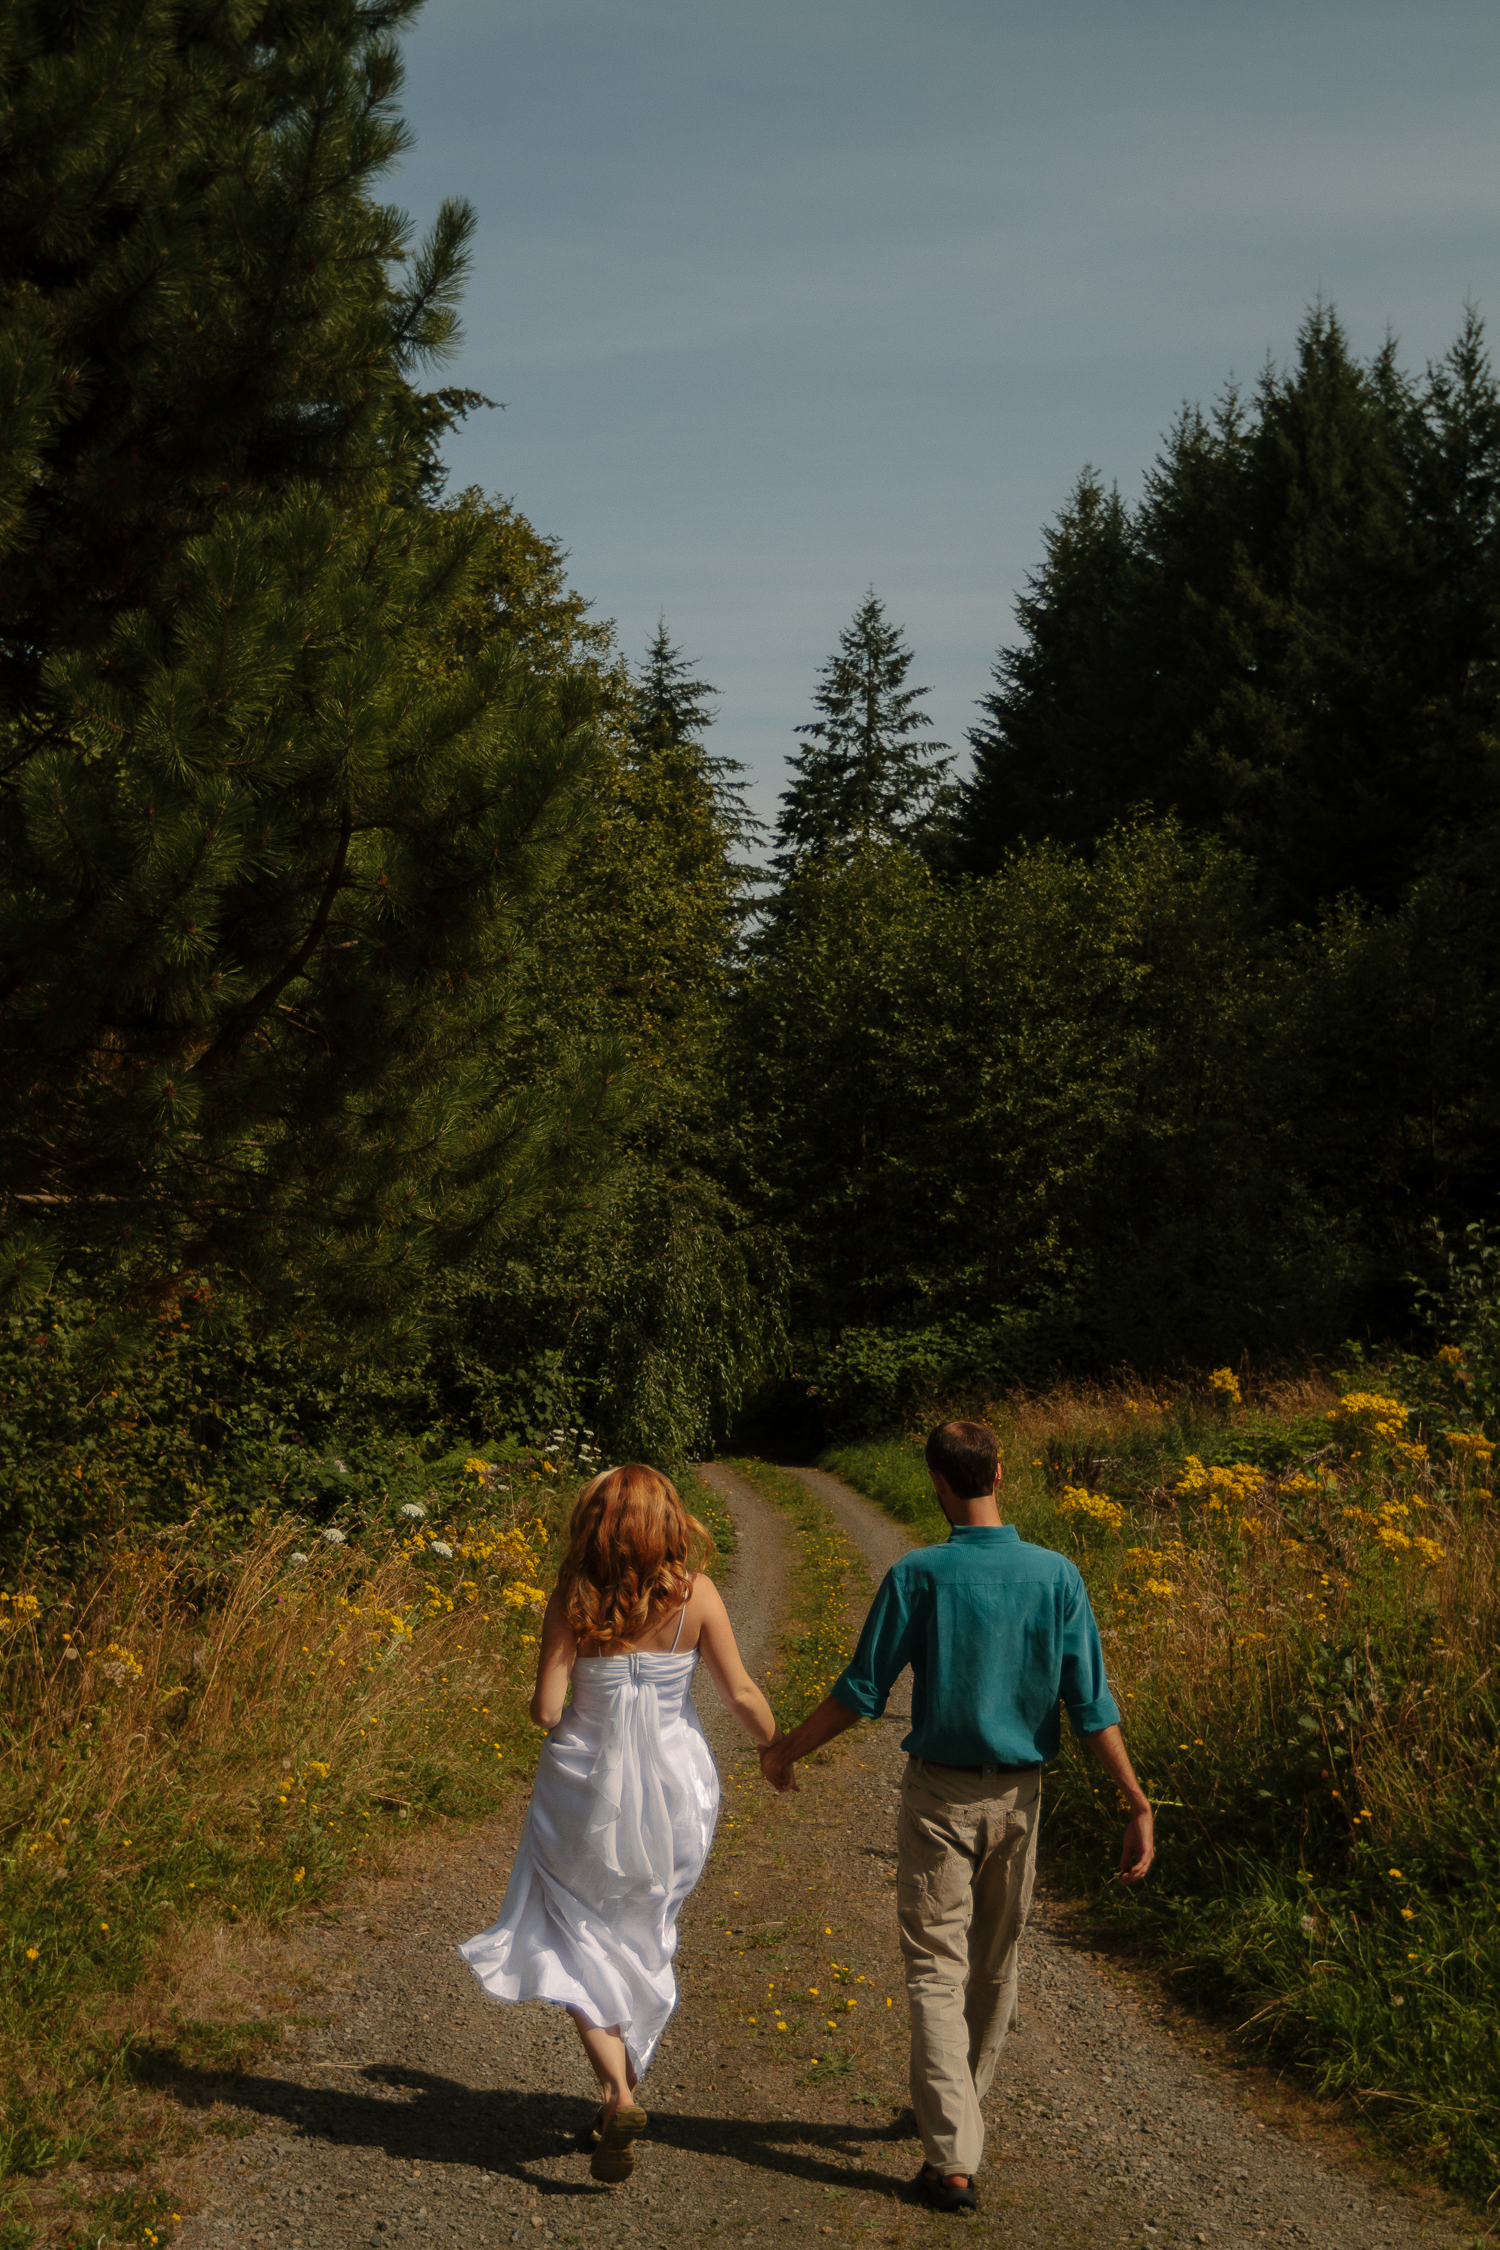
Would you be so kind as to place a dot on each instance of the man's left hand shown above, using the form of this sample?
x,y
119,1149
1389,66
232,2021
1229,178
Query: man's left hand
x,y
1139,1848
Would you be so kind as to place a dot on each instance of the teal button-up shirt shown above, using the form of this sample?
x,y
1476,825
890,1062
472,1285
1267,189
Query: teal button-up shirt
x,y
996,1632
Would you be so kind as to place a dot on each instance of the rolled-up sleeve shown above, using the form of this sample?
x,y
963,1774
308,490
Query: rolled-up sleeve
x,y
883,1653
1085,1689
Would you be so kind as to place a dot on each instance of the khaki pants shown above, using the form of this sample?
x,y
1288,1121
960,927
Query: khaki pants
x,y
965,1866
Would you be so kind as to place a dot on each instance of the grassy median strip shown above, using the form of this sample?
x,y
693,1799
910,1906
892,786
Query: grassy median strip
x,y
1300,1598
831,1589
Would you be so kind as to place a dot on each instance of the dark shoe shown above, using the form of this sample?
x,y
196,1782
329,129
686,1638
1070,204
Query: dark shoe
x,y
943,2195
613,2159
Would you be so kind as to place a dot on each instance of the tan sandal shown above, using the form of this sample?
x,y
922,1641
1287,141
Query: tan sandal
x,y
614,2148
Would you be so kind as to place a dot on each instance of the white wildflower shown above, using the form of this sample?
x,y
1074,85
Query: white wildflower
x,y
334,1536
415,1510
300,1557
441,1547
343,1472
1308,1923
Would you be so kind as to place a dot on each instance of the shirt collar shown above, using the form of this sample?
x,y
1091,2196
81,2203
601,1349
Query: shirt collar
x,y
1006,1531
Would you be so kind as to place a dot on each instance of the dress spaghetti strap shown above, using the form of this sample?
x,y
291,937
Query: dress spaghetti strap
x,y
681,1614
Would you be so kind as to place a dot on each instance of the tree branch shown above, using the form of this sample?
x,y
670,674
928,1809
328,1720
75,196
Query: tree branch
x,y
244,1018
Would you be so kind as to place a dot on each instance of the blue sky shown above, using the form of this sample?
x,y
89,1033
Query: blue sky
x,y
785,300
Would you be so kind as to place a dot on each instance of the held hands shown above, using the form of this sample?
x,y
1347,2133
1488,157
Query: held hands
x,y
776,1765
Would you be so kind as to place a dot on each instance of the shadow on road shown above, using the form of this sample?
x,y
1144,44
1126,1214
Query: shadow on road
x,y
509,2132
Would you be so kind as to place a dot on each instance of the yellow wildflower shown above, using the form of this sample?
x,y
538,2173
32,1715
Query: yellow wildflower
x,y
1470,1446
1097,1507
1368,1418
1220,1488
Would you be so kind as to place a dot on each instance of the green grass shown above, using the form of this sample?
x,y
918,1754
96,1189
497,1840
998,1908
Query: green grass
x,y
892,1472
829,1583
702,1501
1313,1708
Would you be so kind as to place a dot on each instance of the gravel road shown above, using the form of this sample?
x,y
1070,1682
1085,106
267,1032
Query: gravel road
x,y
407,2109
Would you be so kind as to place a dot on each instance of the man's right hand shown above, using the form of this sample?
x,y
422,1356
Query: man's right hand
x,y
777,1766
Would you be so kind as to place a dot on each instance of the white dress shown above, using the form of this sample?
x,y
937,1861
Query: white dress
x,y
620,1822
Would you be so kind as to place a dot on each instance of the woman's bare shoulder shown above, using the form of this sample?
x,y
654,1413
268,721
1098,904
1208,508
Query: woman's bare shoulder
x,y
705,1602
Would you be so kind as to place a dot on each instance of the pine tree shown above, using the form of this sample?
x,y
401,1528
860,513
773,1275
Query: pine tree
x,y
670,716
269,867
1052,755
1294,639
200,299
671,708
868,767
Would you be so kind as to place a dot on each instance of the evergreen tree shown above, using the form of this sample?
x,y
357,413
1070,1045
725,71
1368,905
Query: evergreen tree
x,y
868,767
670,716
269,867
687,1288
671,708
1050,755
202,299
1295,639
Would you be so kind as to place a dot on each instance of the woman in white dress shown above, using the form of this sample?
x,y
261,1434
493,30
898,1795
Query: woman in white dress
x,y
626,1796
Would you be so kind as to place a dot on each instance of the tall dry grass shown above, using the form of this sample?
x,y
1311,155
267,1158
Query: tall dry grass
x,y
163,1660
201,1733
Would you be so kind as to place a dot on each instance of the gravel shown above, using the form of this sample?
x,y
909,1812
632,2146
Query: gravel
x,y
407,2109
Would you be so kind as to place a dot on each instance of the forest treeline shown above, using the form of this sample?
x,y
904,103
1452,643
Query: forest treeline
x,y
403,1039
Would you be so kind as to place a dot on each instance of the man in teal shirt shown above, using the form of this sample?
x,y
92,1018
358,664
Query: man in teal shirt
x,y
997,1634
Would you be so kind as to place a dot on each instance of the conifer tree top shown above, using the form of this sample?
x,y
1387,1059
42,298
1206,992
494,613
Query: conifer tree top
x,y
868,766
671,715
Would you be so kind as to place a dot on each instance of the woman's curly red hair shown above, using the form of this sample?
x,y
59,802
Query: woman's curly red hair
x,y
632,1546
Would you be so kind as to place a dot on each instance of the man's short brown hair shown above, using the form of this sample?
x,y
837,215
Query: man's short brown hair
x,y
965,1455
